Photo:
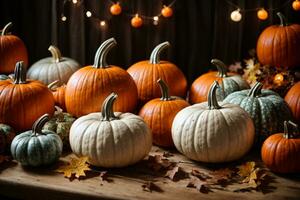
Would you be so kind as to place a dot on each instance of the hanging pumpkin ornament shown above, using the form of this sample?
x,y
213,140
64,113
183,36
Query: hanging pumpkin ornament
x,y
167,11
236,15
262,14
136,21
116,9
296,5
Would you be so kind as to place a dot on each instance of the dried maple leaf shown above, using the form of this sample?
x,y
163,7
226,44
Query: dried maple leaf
x,y
200,185
76,166
157,163
149,186
246,169
200,175
176,173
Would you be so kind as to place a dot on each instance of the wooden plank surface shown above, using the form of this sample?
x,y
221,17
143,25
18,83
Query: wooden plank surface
x,y
22,183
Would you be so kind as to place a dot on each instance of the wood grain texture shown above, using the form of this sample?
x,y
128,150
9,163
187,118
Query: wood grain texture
x,y
17,182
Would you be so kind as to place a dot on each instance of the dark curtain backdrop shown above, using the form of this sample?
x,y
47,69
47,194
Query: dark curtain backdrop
x,y
198,31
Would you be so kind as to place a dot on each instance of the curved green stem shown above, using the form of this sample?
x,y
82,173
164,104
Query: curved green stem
x,y
107,107
53,85
39,123
255,90
222,71
101,54
20,73
286,132
155,55
212,96
6,27
283,20
165,96
56,55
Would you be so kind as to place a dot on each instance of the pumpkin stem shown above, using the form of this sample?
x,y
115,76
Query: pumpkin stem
x,y
53,85
39,124
6,27
101,54
165,96
154,58
283,20
222,71
56,55
107,107
255,90
286,132
20,73
212,97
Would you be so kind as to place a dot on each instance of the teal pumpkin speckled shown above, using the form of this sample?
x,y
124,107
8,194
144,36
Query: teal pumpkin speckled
x,y
267,109
37,147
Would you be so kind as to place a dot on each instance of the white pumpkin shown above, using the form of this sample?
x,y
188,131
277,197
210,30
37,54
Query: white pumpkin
x,y
53,68
111,139
213,133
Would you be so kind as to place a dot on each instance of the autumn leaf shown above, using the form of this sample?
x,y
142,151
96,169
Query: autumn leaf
x,y
150,186
200,185
246,169
176,173
200,175
157,163
77,167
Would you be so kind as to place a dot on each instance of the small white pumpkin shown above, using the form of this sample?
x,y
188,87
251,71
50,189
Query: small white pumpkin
x,y
111,139
213,133
53,68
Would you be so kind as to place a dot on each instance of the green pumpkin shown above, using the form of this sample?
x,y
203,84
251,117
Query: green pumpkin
x,y
7,134
267,109
37,147
3,77
61,123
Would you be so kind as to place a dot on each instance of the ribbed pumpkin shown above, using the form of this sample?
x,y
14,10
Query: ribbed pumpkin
x,y
281,152
111,139
230,83
3,77
279,45
12,50
159,114
60,124
267,109
53,68
89,86
23,101
292,98
7,134
58,93
213,132
37,147
146,72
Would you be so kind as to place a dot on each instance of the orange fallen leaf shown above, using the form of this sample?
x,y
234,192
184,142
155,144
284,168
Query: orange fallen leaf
x,y
76,167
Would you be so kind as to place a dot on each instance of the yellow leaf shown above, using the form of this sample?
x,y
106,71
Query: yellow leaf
x,y
76,166
246,169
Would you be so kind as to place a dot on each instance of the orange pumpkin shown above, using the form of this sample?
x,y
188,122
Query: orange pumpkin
x,y
279,45
88,87
12,50
292,98
58,94
167,11
144,72
159,114
23,101
115,9
281,152
230,82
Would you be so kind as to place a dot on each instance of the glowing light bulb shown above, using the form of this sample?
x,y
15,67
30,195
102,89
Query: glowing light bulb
x,y
236,15
262,14
278,79
102,23
155,20
63,18
88,13
74,1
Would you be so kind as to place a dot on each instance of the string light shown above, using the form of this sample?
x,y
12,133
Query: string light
x,y
136,21
115,9
235,15
88,14
296,5
74,1
166,11
155,20
262,14
278,79
63,18
102,23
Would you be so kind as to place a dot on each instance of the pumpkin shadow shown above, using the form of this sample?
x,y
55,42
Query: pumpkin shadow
x,y
43,170
7,164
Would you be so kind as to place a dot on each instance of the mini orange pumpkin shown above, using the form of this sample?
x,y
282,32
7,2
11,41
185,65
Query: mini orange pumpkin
x,y
116,9
136,21
167,11
89,86
23,101
144,72
159,114
58,93
292,98
12,50
280,152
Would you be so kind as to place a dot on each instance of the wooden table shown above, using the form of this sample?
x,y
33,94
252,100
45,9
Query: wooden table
x,y
20,183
